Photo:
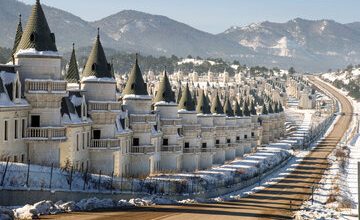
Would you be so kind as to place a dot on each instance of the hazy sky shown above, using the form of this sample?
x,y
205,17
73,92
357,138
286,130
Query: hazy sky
x,y
216,15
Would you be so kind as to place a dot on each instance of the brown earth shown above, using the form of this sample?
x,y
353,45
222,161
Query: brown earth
x,y
273,202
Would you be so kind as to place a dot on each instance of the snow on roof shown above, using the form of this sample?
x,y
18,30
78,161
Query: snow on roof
x,y
34,52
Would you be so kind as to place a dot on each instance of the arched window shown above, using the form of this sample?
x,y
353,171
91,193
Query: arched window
x,y
93,67
33,37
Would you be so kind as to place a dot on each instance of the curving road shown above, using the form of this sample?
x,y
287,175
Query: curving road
x,y
272,202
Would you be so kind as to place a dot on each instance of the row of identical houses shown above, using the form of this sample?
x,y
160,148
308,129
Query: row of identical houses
x,y
85,120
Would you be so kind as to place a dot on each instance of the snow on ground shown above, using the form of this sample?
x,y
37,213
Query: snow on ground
x,y
50,208
277,175
336,195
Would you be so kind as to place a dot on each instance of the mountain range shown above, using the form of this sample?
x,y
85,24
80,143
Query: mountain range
x,y
305,44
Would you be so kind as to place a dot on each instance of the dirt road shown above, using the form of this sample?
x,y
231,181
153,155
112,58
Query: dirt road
x,y
271,203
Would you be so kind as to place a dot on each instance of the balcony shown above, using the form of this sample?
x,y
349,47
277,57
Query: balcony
x,y
221,145
104,106
45,86
171,148
142,149
191,150
206,150
105,143
171,122
142,118
46,134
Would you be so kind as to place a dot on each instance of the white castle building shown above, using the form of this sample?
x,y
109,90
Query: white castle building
x,y
80,120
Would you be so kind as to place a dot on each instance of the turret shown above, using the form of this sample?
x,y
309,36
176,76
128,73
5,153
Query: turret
x,y
97,79
36,52
135,95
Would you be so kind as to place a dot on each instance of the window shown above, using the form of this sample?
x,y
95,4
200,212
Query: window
x,y
217,142
237,138
165,142
23,127
179,130
77,142
6,124
35,121
96,134
22,158
228,141
88,139
83,140
15,159
245,136
252,134
187,145
203,145
136,142
32,37
16,135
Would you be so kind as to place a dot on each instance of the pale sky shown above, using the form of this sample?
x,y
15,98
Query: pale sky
x,y
215,16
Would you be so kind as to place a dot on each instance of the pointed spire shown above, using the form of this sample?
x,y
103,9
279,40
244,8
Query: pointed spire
x,y
72,75
179,94
227,108
216,107
281,109
19,32
264,110
97,65
135,84
270,109
246,110
252,108
203,106
37,33
238,111
186,102
276,109
164,92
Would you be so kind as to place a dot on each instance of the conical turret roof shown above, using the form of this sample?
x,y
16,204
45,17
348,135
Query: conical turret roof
x,y
227,108
186,102
238,111
203,106
37,33
246,110
164,92
135,84
270,108
97,65
252,108
19,32
264,110
276,109
179,94
216,107
281,109
72,75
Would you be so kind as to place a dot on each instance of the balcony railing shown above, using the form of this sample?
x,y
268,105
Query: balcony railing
x,y
207,150
171,148
104,106
105,143
46,133
171,122
45,86
142,118
142,149
221,145
190,150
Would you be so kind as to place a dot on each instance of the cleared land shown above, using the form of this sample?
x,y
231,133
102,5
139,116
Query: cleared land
x,y
271,203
